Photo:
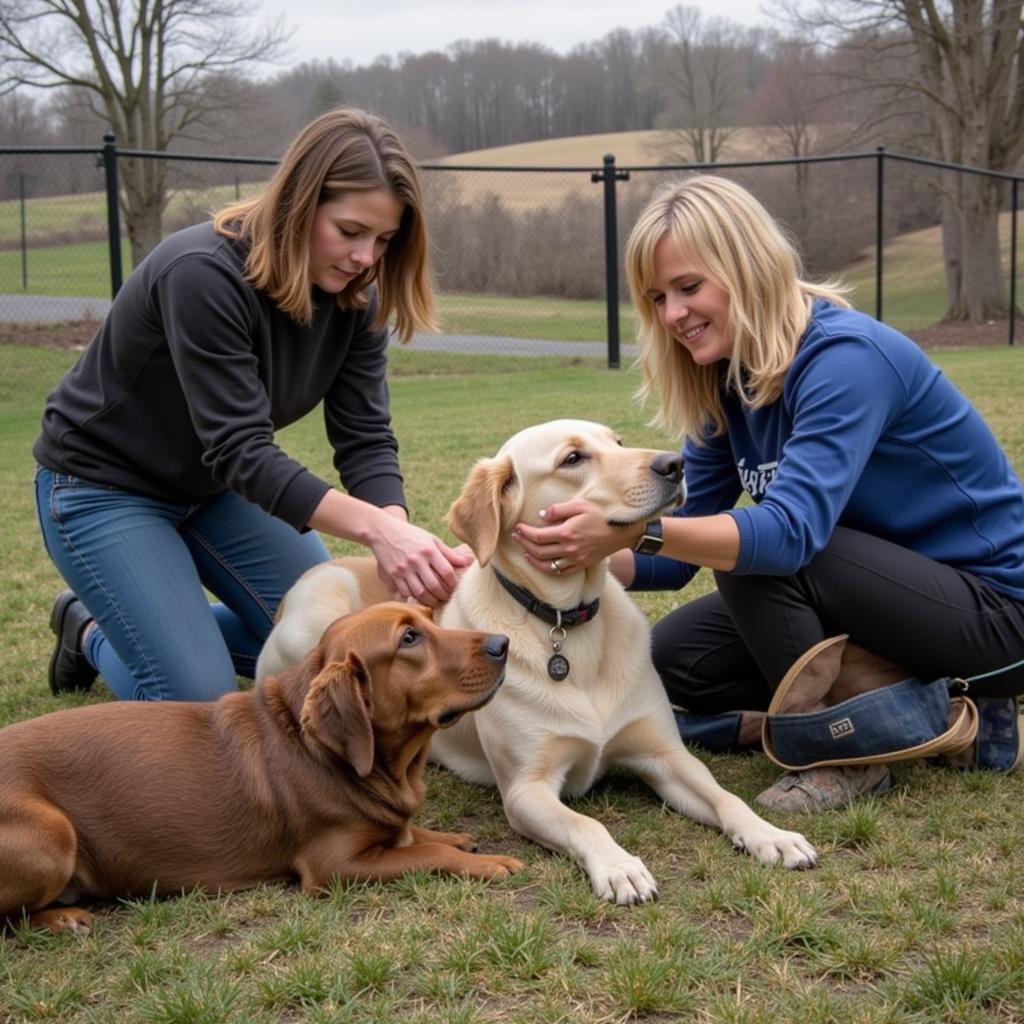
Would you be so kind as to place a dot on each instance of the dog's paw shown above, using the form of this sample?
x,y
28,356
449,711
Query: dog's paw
x,y
500,866
770,845
69,920
624,881
464,841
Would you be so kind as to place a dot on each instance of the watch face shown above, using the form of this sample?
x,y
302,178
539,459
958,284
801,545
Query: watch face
x,y
651,541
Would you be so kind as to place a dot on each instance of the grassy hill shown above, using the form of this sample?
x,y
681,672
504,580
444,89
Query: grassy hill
x,y
630,149
60,219
914,284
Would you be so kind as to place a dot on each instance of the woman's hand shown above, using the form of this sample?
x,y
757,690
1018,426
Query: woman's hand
x,y
410,560
415,563
577,537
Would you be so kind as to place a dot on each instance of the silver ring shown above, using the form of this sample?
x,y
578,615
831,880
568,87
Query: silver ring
x,y
555,567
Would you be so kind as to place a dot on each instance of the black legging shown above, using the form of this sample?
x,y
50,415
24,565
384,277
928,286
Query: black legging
x,y
728,650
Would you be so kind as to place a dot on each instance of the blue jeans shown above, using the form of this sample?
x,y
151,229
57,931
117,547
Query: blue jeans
x,y
139,565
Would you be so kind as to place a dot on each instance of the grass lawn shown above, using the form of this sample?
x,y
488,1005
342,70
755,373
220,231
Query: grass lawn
x,y
541,317
914,915
79,269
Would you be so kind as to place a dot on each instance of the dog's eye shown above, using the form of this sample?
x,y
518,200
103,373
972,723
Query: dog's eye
x,y
410,638
573,458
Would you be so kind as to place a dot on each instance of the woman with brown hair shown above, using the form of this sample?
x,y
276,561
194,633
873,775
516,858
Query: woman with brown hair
x,y
159,474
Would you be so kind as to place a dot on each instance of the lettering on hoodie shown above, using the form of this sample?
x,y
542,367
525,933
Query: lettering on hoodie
x,y
756,480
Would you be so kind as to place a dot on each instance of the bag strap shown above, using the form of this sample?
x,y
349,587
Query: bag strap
x,y
966,682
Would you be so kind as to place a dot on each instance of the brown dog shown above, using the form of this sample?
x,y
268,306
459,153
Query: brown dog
x,y
314,774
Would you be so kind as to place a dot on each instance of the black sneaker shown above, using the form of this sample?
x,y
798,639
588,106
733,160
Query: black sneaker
x,y
69,669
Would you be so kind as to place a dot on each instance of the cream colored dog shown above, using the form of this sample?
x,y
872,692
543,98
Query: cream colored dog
x,y
543,737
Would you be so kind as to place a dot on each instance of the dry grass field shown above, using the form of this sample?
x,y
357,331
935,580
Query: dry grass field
x,y
630,149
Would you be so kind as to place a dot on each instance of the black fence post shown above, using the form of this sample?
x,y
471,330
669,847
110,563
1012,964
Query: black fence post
x,y
113,212
879,230
1013,257
22,192
611,253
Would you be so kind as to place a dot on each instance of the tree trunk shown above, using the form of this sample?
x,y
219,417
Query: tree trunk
x,y
971,242
145,228
144,197
952,245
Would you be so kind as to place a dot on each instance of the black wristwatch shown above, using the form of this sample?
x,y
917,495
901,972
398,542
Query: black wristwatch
x,y
651,539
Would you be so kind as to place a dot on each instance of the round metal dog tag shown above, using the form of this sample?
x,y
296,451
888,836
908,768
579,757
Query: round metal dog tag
x,y
558,667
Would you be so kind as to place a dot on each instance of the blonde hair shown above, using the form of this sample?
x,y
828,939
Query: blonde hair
x,y
341,151
732,238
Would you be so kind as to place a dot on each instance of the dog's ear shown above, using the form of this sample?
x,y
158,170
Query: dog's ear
x,y
337,712
476,515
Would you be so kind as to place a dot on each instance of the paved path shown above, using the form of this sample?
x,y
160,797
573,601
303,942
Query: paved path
x,y
53,308
48,309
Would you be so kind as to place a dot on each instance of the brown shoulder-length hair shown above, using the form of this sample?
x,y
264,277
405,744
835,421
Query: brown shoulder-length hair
x,y
733,239
344,150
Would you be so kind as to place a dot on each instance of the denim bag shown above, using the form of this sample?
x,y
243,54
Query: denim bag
x,y
841,705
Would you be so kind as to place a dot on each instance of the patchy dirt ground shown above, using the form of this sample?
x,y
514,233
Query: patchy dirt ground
x,y
78,334
964,335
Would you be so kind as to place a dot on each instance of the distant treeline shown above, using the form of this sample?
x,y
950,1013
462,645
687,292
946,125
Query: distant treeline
x,y
474,95
477,95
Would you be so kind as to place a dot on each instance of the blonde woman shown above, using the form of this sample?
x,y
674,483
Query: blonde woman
x,y
159,473
881,504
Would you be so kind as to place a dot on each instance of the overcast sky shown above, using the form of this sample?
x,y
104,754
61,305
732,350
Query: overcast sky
x,y
359,32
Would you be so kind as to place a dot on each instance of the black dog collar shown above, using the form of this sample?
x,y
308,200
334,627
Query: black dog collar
x,y
555,616
558,664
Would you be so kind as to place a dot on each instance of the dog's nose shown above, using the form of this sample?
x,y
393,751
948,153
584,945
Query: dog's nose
x,y
668,465
496,646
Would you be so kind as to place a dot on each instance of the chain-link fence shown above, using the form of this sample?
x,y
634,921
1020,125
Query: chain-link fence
x,y
528,260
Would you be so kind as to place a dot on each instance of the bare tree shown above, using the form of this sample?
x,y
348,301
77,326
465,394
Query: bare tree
x,y
22,121
793,100
961,64
147,67
700,72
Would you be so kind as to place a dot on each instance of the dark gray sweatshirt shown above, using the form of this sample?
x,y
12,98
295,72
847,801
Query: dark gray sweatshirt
x,y
180,392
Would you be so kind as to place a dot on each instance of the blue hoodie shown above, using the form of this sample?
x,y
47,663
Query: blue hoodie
x,y
868,434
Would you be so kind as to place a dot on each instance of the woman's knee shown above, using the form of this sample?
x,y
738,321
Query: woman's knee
x,y
665,654
173,663
702,661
